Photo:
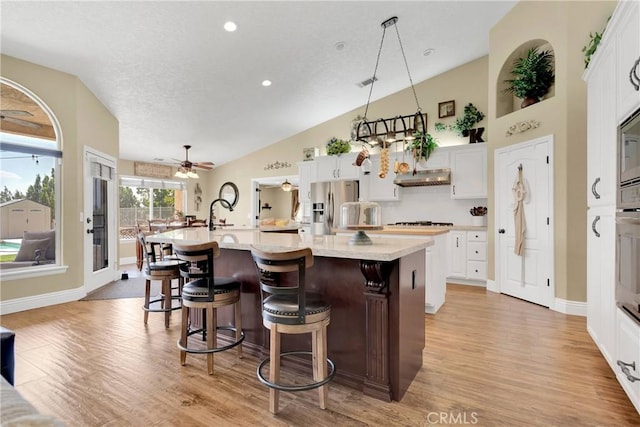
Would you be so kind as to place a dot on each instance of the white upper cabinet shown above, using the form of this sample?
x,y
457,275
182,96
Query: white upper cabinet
x,y
336,168
307,171
469,172
627,38
376,189
601,130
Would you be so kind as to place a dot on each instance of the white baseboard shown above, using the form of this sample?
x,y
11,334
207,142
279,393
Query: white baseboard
x,y
127,261
44,300
457,281
493,286
576,308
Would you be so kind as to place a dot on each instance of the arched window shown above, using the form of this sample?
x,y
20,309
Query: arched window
x,y
30,166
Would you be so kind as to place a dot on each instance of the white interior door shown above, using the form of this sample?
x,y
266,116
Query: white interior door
x,y
530,276
99,219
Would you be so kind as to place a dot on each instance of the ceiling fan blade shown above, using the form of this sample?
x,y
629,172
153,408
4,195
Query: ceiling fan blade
x,y
201,166
15,113
206,163
21,122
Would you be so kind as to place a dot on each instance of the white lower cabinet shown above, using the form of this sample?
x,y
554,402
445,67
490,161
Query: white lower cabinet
x,y
628,356
467,256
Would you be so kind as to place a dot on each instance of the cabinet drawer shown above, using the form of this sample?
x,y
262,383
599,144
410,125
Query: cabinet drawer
x,y
476,236
477,270
476,251
628,356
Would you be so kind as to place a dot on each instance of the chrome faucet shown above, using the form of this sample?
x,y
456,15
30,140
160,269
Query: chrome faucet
x,y
223,202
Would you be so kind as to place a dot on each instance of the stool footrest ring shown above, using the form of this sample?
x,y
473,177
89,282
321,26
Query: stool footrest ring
x,y
161,310
212,350
303,387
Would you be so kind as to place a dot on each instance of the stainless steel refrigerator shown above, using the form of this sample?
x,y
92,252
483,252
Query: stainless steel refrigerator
x,y
326,199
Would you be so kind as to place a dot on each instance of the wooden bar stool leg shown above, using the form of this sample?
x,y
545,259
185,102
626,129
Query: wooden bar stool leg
x,y
321,355
184,334
147,297
211,336
166,290
238,324
274,369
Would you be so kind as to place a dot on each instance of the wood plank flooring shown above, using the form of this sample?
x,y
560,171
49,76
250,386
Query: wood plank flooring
x,y
490,360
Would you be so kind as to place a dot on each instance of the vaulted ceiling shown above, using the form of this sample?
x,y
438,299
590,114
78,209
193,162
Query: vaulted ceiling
x,y
172,75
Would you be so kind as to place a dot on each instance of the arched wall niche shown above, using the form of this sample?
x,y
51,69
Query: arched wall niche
x,y
506,102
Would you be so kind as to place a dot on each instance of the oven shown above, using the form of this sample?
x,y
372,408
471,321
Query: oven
x,y
629,163
628,262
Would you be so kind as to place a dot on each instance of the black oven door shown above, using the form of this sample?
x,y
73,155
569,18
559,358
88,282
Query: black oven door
x,y
628,263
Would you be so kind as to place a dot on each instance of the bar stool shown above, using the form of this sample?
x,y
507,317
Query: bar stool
x,y
288,309
205,291
163,270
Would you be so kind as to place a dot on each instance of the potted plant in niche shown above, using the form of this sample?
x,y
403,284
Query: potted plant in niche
x,y
336,146
534,76
478,215
422,147
464,125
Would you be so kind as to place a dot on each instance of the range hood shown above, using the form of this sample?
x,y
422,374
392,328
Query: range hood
x,y
424,177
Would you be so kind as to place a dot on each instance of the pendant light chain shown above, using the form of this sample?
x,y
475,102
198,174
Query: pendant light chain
x,y
407,66
375,70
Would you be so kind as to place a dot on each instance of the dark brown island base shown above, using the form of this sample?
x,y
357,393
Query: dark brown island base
x,y
377,333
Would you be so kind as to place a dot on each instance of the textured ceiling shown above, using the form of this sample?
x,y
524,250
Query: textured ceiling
x,y
172,76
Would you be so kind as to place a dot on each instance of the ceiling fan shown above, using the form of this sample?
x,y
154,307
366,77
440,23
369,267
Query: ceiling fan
x,y
187,167
8,116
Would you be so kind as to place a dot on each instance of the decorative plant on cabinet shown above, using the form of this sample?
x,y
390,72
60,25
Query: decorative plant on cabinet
x,y
464,125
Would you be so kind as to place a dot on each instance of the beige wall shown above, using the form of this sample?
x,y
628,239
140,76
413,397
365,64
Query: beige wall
x,y
467,83
84,121
566,26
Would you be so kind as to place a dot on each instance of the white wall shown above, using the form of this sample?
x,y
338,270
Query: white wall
x,y
431,203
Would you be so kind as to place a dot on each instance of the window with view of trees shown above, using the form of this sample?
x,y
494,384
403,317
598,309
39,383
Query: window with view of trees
x,y
147,199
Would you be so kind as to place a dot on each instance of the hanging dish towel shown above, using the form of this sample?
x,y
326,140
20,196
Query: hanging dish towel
x,y
518,213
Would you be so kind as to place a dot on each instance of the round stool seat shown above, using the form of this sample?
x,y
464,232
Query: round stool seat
x,y
197,290
162,265
285,309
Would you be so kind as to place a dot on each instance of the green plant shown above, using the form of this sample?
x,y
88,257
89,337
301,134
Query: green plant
x,y
470,117
533,73
440,127
592,46
422,146
337,146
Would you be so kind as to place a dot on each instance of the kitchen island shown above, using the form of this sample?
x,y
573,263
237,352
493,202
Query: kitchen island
x,y
377,331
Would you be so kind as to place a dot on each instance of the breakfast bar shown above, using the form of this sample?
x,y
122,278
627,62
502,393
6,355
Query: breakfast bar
x,y
377,331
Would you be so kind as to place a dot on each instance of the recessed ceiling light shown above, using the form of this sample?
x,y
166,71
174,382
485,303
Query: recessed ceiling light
x,y
340,46
428,51
230,26
266,83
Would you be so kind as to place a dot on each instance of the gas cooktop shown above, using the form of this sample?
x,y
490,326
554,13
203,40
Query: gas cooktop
x,y
423,224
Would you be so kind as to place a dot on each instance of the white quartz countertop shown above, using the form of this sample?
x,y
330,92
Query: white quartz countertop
x,y
326,246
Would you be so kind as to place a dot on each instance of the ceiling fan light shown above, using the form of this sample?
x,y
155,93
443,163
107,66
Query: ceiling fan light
x,y
192,174
180,173
286,185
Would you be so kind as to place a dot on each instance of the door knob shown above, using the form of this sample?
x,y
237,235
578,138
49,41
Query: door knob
x,y
502,231
90,231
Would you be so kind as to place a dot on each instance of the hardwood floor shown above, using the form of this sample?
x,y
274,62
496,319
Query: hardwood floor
x,y
490,360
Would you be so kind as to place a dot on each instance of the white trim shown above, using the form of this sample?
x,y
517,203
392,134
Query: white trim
x,y
493,286
43,300
467,282
576,308
25,273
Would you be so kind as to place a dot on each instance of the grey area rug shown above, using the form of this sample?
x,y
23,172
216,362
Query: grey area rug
x,y
130,288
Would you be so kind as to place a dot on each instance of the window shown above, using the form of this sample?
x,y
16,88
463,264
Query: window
x,y
30,166
144,199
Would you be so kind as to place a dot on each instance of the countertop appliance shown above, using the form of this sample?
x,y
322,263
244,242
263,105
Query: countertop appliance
x,y
422,224
629,163
326,199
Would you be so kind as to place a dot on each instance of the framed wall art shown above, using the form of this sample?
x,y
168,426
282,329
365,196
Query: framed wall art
x,y
446,109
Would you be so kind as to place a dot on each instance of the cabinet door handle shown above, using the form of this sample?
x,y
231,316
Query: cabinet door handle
x,y
454,190
632,74
502,231
593,188
624,367
593,225
476,251
457,242
338,172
